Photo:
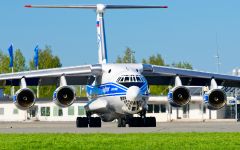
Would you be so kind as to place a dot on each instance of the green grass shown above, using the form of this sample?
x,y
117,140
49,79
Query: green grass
x,y
147,141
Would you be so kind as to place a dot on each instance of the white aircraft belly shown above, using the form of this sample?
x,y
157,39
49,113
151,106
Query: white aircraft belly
x,y
106,104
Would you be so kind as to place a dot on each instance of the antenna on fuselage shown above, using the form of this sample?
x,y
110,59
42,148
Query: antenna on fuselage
x,y
100,8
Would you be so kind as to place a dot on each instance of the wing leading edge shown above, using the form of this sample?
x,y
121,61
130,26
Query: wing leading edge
x,y
78,75
161,75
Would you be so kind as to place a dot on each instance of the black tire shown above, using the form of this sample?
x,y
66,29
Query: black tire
x,y
130,122
135,122
95,122
82,122
121,122
150,122
99,122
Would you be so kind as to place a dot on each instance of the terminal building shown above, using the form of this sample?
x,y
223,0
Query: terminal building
x,y
158,106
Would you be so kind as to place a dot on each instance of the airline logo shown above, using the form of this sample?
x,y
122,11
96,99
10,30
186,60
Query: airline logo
x,y
109,89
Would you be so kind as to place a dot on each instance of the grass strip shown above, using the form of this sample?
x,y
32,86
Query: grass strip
x,y
141,141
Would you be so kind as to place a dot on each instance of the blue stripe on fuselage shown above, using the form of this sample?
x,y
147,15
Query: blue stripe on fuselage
x,y
111,89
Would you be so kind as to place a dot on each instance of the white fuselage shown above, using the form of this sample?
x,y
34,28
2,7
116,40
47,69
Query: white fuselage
x,y
120,90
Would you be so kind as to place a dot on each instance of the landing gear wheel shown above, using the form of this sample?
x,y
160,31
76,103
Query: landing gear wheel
x,y
150,122
82,122
95,122
142,122
135,122
121,122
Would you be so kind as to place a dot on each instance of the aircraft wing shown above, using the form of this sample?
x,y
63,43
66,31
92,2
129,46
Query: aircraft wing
x,y
78,75
161,75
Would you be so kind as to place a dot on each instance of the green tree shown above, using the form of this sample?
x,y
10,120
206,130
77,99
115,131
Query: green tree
x,y
4,59
19,61
183,64
4,67
80,91
119,60
46,60
156,60
18,65
128,57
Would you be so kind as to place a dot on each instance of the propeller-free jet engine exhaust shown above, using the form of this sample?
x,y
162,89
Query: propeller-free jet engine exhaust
x,y
215,98
179,95
24,97
64,95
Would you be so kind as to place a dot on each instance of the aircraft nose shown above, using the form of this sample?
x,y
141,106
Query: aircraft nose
x,y
133,93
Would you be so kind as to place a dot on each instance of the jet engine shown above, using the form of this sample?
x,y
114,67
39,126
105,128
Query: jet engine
x,y
24,97
215,99
179,96
64,95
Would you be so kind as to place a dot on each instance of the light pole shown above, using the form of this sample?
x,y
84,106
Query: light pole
x,y
217,56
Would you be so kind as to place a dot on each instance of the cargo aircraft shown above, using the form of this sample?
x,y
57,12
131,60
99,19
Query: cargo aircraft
x,y
116,91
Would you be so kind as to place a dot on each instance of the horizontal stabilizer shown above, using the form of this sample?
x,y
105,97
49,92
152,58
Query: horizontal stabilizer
x,y
95,6
132,6
48,6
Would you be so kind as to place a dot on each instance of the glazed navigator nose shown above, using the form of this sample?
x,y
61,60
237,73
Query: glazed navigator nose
x,y
133,93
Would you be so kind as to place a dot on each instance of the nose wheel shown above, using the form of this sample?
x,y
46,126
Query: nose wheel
x,y
141,121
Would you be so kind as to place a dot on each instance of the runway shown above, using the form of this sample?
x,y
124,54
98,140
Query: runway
x,y
69,127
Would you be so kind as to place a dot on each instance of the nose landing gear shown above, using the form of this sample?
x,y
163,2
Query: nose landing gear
x,y
141,121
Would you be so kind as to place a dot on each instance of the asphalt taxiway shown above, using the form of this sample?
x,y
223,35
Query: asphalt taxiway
x,y
69,127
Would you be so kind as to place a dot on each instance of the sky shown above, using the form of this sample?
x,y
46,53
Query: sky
x,y
188,30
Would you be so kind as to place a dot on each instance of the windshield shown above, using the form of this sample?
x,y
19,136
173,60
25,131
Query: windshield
x,y
131,80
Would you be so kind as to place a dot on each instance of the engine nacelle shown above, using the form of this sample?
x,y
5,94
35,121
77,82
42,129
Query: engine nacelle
x,y
179,96
215,99
24,98
64,96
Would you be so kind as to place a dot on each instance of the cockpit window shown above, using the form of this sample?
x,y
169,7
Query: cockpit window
x,y
122,79
131,80
138,79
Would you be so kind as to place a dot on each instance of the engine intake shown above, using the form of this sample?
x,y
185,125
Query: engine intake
x,y
24,98
64,96
215,99
179,96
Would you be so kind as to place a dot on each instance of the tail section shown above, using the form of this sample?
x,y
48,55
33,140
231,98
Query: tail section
x,y
101,36
100,8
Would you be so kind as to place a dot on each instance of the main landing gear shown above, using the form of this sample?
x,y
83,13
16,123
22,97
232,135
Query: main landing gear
x,y
141,121
84,122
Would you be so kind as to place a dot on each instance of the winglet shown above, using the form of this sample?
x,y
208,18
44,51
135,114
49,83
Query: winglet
x,y
28,6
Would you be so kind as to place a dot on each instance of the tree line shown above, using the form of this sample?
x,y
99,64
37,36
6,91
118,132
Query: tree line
x,y
46,60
